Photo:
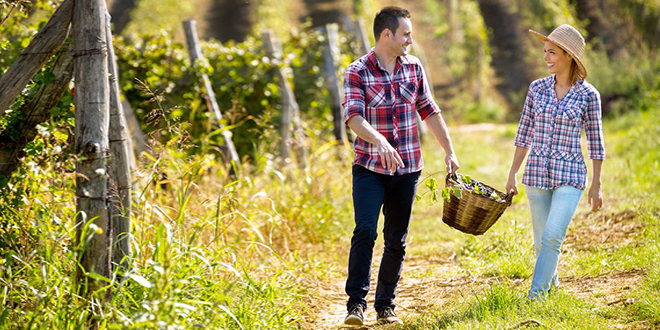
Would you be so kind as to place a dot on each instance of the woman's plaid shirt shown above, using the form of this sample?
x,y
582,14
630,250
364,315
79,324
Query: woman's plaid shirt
x,y
552,131
388,103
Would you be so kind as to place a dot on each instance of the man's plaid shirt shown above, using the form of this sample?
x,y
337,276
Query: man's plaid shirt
x,y
388,103
552,131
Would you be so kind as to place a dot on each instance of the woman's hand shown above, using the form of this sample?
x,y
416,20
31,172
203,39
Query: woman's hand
x,y
511,185
595,197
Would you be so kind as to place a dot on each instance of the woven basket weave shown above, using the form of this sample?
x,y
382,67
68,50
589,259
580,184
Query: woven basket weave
x,y
473,213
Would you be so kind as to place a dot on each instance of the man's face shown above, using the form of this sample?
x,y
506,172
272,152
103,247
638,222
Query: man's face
x,y
402,38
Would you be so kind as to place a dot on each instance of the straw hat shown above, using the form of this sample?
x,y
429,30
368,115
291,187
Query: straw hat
x,y
570,40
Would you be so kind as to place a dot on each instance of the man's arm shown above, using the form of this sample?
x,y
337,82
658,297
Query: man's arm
x,y
388,155
438,127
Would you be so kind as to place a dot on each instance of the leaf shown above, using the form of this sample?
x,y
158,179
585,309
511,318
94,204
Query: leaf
x,y
446,194
458,192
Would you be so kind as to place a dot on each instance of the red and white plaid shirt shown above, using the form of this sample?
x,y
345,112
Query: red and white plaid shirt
x,y
552,130
388,103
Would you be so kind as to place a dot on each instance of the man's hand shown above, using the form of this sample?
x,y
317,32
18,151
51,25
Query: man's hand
x,y
388,155
452,163
595,198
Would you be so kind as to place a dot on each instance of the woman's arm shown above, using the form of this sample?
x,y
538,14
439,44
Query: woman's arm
x,y
518,158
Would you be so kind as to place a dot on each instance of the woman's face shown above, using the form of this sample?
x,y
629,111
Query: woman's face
x,y
557,60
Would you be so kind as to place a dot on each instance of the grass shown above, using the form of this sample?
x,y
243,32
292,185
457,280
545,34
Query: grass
x,y
209,252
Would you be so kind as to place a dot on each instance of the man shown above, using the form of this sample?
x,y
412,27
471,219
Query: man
x,y
382,91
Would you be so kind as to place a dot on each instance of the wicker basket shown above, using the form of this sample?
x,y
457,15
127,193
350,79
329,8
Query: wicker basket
x,y
473,213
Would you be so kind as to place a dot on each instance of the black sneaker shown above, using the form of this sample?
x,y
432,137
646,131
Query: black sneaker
x,y
386,316
355,316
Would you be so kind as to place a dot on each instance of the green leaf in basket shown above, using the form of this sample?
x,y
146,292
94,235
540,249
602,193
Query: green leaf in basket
x,y
458,192
432,184
467,179
446,194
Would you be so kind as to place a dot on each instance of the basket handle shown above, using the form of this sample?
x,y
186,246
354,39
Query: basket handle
x,y
509,198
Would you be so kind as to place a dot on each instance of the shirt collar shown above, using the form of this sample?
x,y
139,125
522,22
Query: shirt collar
x,y
375,63
578,86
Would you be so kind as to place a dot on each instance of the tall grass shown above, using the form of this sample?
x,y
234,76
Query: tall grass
x,y
208,252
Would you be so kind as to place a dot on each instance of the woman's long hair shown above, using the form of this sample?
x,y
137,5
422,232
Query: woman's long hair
x,y
575,73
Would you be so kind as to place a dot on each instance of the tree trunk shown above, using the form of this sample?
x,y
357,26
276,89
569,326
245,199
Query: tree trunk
x,y
121,10
605,24
230,20
118,165
41,48
91,133
35,111
508,47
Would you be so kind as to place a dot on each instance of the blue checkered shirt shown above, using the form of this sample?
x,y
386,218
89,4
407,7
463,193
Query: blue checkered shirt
x,y
551,129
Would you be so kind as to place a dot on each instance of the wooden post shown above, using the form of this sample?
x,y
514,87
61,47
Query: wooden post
x,y
480,68
91,133
330,60
419,52
137,141
36,111
453,11
195,52
362,37
118,165
290,112
41,48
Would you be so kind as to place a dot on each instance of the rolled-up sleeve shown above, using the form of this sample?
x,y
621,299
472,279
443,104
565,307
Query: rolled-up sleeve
x,y
425,104
353,94
594,127
526,126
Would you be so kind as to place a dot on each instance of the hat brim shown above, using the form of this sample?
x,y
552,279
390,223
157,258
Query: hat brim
x,y
544,38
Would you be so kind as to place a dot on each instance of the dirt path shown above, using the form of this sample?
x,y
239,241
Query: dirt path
x,y
418,294
431,283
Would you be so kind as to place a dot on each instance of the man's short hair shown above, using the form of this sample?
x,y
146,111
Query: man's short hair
x,y
388,18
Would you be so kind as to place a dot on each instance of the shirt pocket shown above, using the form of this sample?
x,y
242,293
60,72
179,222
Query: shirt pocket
x,y
408,92
569,127
572,115
375,96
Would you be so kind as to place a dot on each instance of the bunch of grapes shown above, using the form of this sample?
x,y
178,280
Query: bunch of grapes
x,y
467,183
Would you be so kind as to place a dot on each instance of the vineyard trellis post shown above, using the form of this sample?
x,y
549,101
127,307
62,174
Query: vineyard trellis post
x,y
195,52
290,116
362,37
44,44
119,167
331,58
419,52
36,111
91,142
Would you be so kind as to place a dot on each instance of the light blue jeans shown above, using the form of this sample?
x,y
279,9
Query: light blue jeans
x,y
552,211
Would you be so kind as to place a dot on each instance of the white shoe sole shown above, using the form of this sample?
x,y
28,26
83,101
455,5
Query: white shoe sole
x,y
353,320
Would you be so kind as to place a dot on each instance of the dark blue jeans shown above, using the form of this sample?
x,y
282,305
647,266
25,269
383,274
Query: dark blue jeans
x,y
396,195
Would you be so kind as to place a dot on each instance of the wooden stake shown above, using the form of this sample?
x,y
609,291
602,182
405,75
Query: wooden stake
x,y
195,52
119,167
91,133
331,57
36,111
290,111
361,35
41,48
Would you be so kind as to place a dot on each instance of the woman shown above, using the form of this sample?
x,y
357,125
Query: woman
x,y
556,110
